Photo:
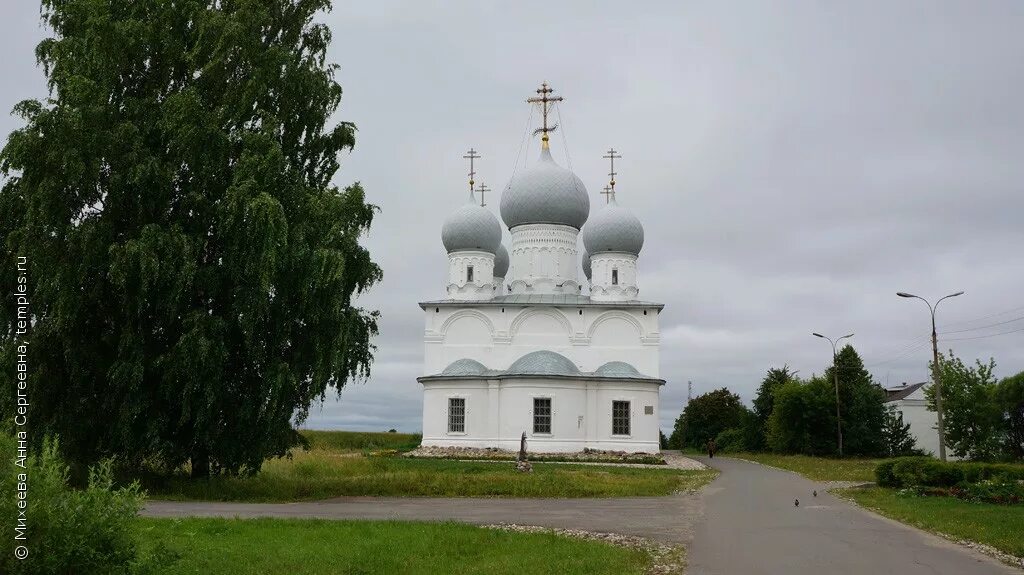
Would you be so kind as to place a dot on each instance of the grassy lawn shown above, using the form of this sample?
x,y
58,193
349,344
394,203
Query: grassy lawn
x,y
314,547
817,468
1001,526
320,474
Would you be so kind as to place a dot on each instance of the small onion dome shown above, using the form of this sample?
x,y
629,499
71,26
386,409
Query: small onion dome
x,y
465,366
471,227
501,261
586,264
543,362
618,369
613,229
545,193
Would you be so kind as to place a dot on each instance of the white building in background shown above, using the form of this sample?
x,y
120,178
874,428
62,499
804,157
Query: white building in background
x,y
516,346
911,402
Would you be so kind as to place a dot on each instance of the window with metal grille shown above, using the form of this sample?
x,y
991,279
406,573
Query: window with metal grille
x,y
469,274
542,415
456,415
620,418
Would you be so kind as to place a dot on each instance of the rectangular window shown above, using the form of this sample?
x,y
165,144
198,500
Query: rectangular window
x,y
615,277
456,415
542,415
620,418
469,274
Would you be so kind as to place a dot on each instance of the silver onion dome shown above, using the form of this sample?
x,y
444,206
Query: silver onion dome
x,y
543,362
586,265
471,227
613,229
501,261
545,193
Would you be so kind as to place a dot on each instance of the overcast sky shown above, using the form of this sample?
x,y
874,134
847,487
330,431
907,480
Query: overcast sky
x,y
794,165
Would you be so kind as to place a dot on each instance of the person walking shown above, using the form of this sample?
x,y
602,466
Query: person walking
x,y
711,448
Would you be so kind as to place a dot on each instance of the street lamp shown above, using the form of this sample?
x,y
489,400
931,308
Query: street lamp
x,y
936,378
835,374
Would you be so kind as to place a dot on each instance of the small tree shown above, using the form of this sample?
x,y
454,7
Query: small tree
x,y
764,401
896,433
707,415
803,418
971,416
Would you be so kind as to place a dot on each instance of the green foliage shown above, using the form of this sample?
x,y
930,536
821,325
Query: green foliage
x,y
731,441
803,418
705,416
896,435
662,440
89,531
972,418
764,403
930,472
1009,398
192,266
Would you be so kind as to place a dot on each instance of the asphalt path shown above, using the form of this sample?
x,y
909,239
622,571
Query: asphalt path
x,y
751,525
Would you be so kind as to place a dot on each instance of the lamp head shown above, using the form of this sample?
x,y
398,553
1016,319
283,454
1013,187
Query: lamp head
x,y
904,294
818,335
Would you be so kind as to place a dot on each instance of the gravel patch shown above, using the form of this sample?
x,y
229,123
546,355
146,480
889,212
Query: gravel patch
x,y
494,454
665,559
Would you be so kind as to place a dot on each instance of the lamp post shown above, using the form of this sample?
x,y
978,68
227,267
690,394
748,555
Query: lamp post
x,y
835,374
936,377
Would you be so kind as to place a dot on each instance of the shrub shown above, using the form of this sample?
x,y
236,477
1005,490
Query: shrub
x,y
85,532
731,441
928,472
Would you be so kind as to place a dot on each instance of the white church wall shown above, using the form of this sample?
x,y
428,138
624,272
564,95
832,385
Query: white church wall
x,y
499,411
497,336
544,258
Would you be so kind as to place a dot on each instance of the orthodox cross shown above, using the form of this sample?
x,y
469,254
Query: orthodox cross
x,y
607,194
612,156
546,102
471,155
482,188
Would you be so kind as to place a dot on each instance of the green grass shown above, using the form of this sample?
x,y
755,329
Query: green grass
x,y
321,474
817,468
354,441
315,547
1001,526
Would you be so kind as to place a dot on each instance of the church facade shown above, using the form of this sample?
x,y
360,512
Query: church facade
x,y
516,345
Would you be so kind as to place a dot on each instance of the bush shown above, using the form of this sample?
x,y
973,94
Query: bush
x,y
731,441
85,532
928,472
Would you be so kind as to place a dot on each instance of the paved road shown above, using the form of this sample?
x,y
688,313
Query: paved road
x,y
752,527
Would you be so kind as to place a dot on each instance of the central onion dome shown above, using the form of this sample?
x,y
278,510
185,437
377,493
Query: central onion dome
x,y
545,193
471,228
613,229
501,261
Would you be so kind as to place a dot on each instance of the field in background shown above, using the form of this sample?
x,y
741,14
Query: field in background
x,y
353,441
315,547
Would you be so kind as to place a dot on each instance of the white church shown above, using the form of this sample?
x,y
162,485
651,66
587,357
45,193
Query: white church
x,y
521,342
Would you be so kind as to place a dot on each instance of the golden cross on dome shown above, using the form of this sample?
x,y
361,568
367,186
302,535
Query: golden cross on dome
x,y
546,103
482,188
612,156
471,155
608,194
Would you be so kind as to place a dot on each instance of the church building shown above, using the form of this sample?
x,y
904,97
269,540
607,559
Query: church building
x,y
521,342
